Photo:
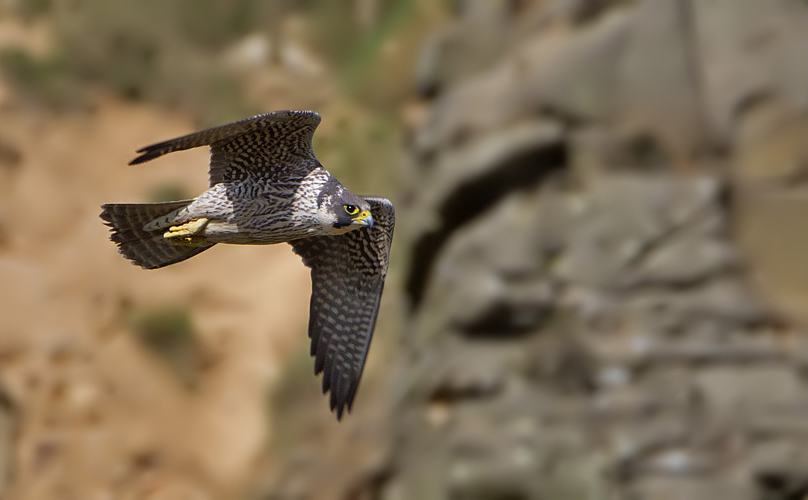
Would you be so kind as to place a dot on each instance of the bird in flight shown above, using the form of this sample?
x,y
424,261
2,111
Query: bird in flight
x,y
266,187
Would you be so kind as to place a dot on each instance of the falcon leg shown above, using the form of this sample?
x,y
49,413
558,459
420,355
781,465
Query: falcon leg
x,y
187,230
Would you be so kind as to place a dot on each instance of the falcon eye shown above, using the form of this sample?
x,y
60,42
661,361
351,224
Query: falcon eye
x,y
351,209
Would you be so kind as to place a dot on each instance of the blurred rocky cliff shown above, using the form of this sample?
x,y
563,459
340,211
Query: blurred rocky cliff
x,y
608,280
610,269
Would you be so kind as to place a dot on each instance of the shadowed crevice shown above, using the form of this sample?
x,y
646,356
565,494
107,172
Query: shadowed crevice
x,y
522,170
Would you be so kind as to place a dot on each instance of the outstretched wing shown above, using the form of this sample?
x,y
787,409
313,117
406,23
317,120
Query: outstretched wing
x,y
347,278
274,146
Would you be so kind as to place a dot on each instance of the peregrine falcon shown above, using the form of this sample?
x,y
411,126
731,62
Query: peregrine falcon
x,y
266,187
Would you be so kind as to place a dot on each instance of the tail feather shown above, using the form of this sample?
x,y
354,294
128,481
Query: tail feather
x,y
149,250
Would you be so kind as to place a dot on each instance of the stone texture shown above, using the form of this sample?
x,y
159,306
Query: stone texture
x,y
748,50
672,488
605,323
771,143
658,61
730,392
9,428
771,233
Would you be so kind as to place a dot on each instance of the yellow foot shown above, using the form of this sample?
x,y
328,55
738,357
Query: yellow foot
x,y
188,229
189,241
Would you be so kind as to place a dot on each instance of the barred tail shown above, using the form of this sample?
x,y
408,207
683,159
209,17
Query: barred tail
x,y
149,250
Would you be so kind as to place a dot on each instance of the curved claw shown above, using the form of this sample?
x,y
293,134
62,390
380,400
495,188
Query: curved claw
x,y
188,229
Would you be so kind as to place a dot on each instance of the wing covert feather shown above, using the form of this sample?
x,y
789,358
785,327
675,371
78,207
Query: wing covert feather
x,y
274,145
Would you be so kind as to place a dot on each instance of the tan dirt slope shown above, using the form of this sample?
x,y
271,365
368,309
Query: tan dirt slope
x,y
87,411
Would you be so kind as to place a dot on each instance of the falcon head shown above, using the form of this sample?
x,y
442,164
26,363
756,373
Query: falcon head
x,y
351,211
342,211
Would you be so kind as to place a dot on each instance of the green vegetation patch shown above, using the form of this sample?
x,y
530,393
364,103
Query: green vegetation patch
x,y
168,333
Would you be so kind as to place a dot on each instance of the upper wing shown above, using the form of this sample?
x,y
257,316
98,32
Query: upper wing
x,y
273,145
347,277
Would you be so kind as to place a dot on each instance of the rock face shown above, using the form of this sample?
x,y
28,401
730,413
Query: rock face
x,y
596,308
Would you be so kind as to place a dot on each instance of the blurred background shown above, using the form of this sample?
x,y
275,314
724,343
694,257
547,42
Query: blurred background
x,y
599,286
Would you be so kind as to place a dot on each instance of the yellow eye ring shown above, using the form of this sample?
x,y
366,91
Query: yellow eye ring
x,y
351,209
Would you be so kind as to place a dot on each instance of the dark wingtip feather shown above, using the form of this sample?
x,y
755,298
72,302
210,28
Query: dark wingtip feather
x,y
105,215
147,155
326,378
334,386
337,406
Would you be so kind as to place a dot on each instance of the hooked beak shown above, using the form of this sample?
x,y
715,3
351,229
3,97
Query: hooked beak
x,y
363,219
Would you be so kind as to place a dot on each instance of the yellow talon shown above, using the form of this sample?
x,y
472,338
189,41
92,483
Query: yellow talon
x,y
186,230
